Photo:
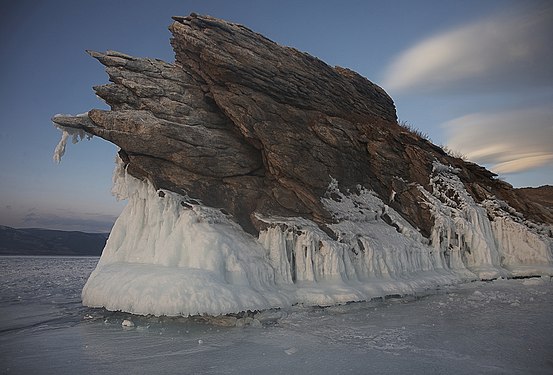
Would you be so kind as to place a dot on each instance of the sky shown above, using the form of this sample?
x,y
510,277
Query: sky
x,y
475,76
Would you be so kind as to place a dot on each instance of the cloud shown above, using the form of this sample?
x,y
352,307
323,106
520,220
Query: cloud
x,y
504,51
509,142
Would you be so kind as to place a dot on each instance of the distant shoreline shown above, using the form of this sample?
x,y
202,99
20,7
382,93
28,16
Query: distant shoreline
x,y
47,242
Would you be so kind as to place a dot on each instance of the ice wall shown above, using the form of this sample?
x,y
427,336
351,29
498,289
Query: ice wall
x,y
526,249
490,239
169,256
373,252
165,256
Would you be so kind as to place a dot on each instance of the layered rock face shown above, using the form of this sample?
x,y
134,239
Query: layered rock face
x,y
258,130
242,123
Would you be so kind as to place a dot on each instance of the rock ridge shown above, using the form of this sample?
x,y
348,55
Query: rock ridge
x,y
241,123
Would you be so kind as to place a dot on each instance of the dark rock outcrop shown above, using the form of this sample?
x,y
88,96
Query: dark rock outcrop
x,y
244,124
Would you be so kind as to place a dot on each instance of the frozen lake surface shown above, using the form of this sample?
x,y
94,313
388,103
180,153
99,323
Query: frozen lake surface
x,y
500,327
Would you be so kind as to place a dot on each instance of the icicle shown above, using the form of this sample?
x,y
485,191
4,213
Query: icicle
x,y
76,134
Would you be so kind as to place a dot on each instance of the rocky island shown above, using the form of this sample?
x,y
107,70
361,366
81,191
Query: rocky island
x,y
258,176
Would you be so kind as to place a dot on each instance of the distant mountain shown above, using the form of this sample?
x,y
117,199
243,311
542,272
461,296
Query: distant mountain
x,y
34,241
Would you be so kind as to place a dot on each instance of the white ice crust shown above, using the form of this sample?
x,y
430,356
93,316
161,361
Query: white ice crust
x,y
66,132
167,256
490,239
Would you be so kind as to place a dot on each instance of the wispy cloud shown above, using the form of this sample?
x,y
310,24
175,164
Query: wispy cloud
x,y
514,50
509,142
509,57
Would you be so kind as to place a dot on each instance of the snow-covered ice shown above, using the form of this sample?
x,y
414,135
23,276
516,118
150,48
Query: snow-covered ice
x,y
499,327
166,256
169,255
489,239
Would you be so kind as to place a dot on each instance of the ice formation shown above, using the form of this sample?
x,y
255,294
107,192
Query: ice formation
x,y
257,140
488,239
169,256
166,256
66,132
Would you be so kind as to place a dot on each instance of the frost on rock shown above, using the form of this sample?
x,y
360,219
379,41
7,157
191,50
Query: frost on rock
x,y
489,239
373,252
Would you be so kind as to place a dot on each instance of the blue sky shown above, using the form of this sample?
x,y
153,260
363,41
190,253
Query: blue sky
x,y
473,75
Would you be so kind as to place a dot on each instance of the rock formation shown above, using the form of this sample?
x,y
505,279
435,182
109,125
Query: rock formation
x,y
258,130
542,195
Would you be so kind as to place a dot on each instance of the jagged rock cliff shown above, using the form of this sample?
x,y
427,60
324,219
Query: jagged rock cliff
x,y
242,123
264,132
